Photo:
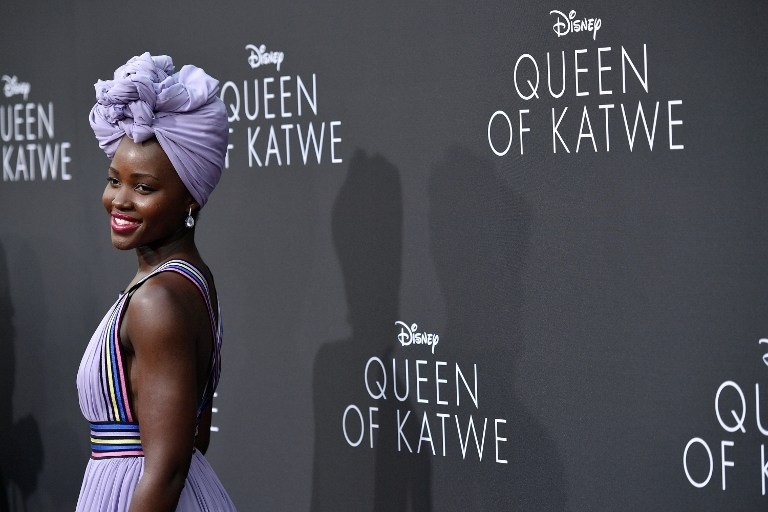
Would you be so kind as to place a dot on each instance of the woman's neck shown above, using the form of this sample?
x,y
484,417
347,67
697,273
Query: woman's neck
x,y
181,246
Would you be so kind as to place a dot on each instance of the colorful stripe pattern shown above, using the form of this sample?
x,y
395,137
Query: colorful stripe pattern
x,y
113,379
115,440
113,383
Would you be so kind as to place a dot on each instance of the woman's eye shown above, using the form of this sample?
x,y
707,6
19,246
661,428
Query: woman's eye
x,y
143,188
112,181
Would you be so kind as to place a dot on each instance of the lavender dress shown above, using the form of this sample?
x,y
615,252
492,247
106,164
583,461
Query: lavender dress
x,y
117,459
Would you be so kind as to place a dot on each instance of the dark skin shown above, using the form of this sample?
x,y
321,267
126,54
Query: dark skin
x,y
166,331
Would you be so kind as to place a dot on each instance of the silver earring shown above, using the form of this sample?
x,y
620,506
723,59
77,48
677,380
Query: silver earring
x,y
190,220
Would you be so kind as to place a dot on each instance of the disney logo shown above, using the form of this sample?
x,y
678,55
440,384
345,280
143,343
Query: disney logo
x,y
409,335
564,25
261,57
13,87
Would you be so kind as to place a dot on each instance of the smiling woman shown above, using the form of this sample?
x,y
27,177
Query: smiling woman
x,y
149,373
145,198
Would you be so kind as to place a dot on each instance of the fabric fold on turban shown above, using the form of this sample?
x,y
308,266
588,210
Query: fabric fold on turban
x,y
182,110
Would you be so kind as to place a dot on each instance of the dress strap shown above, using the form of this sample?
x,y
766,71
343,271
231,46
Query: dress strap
x,y
114,383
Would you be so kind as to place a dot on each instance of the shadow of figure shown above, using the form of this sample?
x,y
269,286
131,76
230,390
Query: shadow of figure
x,y
374,475
21,450
480,232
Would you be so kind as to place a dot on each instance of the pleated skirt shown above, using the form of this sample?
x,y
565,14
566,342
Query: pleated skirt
x,y
109,484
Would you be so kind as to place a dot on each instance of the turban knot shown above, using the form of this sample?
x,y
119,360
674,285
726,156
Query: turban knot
x,y
146,99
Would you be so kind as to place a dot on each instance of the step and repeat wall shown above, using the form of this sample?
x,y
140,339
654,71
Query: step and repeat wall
x,y
471,256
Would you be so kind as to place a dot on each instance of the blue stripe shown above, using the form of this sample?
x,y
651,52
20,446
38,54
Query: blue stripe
x,y
107,426
115,447
115,370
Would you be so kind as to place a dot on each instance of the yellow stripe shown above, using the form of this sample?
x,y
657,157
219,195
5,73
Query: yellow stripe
x,y
110,384
115,441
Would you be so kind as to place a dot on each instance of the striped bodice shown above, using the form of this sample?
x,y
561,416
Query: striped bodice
x,y
102,380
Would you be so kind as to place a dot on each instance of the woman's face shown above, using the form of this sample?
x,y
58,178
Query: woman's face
x,y
145,198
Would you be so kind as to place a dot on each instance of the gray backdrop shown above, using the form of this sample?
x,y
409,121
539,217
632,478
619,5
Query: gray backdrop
x,y
598,309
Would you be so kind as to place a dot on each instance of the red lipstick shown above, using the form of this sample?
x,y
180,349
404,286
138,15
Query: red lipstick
x,y
123,223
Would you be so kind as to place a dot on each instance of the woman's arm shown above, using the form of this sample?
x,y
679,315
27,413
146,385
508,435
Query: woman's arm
x,y
162,326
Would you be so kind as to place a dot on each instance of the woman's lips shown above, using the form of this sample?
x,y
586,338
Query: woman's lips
x,y
124,223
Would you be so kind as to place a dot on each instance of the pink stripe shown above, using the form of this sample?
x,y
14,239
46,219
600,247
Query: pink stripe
x,y
113,433
199,287
120,368
103,455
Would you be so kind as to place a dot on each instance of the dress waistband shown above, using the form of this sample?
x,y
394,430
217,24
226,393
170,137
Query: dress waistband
x,y
110,440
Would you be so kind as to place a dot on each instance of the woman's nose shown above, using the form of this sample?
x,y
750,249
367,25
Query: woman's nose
x,y
121,198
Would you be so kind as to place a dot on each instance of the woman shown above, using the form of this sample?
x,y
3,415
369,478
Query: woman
x,y
148,376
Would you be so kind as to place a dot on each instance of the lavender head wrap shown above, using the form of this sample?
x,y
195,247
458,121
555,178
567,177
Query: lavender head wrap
x,y
182,110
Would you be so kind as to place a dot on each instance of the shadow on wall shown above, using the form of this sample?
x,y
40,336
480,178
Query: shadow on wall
x,y
21,449
480,233
373,475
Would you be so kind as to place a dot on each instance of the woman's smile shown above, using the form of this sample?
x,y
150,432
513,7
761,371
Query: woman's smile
x,y
124,223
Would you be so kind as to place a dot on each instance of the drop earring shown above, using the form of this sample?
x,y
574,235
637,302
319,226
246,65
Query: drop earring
x,y
190,220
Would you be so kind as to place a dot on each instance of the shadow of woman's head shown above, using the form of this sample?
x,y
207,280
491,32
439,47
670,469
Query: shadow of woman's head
x,y
367,234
